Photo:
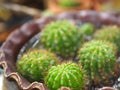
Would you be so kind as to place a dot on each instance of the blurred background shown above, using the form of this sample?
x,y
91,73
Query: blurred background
x,y
14,13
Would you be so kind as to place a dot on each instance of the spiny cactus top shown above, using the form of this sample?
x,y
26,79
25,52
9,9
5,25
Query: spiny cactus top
x,y
67,74
61,37
87,29
109,33
68,3
98,59
34,64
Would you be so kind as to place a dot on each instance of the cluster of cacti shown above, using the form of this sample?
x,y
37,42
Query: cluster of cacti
x,y
61,37
97,57
68,74
34,64
109,33
68,3
98,60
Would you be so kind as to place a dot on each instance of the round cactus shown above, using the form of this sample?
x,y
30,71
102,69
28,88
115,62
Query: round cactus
x,y
87,29
61,37
34,64
67,74
109,33
68,3
98,60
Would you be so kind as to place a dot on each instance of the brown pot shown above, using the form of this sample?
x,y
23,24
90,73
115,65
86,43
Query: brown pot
x,y
11,47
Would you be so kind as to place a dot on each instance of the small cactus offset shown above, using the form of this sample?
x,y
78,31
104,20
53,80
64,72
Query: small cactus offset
x,y
98,60
109,33
34,64
87,29
68,75
61,37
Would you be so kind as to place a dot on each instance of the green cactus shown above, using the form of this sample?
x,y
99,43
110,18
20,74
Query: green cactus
x,y
87,29
34,64
61,37
109,33
98,60
68,3
67,74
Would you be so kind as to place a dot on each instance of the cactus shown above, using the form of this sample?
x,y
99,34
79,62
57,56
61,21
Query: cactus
x,y
98,60
61,37
68,75
109,33
34,64
87,29
68,3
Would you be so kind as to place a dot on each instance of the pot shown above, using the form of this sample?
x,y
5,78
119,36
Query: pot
x,y
11,48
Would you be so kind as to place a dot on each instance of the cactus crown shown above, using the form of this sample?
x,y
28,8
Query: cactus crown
x,y
109,33
34,64
67,74
61,37
98,59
